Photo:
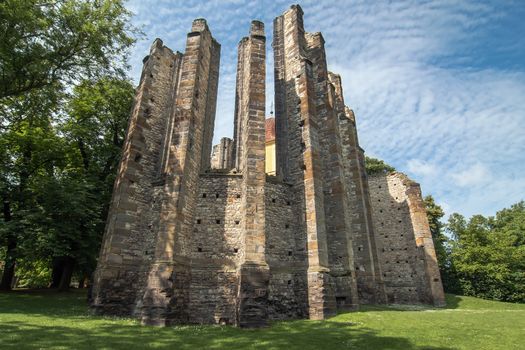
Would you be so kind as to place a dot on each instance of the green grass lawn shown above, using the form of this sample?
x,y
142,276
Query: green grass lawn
x,y
42,320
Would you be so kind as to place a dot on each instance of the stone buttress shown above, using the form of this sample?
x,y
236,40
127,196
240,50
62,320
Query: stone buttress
x,y
368,276
250,132
298,151
145,248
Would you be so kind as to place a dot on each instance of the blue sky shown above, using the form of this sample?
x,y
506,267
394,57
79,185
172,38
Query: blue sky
x,y
438,87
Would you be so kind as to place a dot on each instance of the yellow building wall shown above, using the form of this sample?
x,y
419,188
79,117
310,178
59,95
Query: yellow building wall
x,y
270,157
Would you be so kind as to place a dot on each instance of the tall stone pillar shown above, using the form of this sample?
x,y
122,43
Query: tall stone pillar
x,y
370,284
127,239
338,216
250,135
298,150
166,295
222,154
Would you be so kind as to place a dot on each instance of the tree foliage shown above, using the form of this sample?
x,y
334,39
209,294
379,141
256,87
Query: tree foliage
x,y
64,102
47,42
488,254
377,166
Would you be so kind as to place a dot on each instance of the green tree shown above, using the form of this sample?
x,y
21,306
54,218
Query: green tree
x,y
95,131
45,49
47,42
376,166
31,149
489,254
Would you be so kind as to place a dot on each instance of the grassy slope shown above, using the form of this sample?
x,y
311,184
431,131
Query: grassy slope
x,y
47,320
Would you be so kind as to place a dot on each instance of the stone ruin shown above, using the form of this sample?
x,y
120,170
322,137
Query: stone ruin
x,y
185,243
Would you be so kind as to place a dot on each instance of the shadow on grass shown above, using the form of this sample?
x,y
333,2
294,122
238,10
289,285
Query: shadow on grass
x,y
284,335
61,320
452,302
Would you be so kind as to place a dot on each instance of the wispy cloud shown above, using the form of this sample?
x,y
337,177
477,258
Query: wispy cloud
x,y
437,87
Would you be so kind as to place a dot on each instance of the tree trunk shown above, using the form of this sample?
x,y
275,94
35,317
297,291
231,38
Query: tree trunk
x,y
10,257
58,270
67,273
83,281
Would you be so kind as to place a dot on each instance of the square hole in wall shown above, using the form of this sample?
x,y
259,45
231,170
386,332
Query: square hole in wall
x,y
288,203
289,281
199,221
235,250
273,200
204,195
216,195
199,249
237,222
287,226
218,221
238,196
289,253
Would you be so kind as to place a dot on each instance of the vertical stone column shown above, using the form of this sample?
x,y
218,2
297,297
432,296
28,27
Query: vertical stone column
x,y
126,239
222,157
211,104
239,98
280,86
298,149
431,284
336,204
370,285
250,130
166,294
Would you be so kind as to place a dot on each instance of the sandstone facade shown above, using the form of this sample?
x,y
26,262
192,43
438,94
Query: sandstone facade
x,y
195,236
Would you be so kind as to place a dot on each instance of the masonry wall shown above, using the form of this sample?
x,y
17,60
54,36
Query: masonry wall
x,y
404,240
286,253
216,250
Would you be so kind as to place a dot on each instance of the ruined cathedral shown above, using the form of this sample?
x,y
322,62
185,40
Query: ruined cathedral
x,y
286,224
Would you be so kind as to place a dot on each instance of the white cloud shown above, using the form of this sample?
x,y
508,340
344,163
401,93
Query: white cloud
x,y
475,175
421,167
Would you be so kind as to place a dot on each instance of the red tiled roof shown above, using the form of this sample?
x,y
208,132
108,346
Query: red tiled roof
x,y
270,129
